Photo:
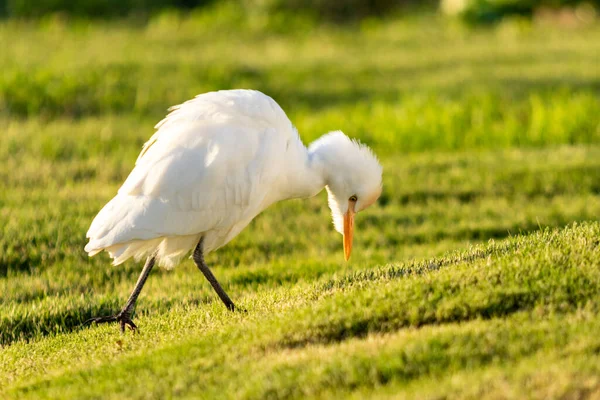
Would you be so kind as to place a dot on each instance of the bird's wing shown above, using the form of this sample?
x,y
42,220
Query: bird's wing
x,y
213,160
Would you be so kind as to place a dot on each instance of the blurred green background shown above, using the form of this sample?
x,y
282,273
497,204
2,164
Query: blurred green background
x,y
485,115
473,11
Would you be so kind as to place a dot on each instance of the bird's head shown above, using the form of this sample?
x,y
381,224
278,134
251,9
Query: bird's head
x,y
353,178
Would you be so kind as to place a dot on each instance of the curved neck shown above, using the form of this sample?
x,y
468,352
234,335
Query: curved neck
x,y
308,175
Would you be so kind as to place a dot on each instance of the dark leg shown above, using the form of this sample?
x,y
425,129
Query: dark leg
x,y
124,316
199,260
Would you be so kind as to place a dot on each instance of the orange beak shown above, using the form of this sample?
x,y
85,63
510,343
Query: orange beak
x,y
348,229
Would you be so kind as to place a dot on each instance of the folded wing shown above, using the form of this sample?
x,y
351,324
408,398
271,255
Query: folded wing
x,y
211,164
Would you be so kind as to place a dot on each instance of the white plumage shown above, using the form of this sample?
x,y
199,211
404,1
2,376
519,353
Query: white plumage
x,y
214,163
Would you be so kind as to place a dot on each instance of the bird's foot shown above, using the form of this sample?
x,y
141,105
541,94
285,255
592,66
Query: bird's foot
x,y
123,318
233,308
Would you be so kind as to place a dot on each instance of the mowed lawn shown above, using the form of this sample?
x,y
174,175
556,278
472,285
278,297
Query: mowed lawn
x,y
477,274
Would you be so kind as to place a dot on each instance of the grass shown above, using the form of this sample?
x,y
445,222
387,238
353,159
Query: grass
x,y
497,306
476,275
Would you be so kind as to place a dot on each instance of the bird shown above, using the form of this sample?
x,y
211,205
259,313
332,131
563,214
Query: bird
x,y
213,164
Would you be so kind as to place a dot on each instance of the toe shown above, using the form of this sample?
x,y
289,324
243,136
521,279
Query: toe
x,y
132,326
125,321
99,320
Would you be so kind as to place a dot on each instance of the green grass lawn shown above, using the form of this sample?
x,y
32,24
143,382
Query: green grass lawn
x,y
476,275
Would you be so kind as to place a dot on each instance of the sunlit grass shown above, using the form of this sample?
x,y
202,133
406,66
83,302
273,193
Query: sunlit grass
x,y
487,307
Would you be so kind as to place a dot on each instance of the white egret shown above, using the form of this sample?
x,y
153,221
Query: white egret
x,y
214,163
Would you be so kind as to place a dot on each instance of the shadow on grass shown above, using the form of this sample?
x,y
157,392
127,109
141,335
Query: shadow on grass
x,y
314,87
31,326
412,268
520,184
28,326
442,302
457,234
501,305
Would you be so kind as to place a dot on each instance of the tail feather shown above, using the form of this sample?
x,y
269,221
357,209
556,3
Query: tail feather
x,y
117,229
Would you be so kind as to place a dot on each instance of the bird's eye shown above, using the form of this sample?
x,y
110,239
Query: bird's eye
x,y
353,198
